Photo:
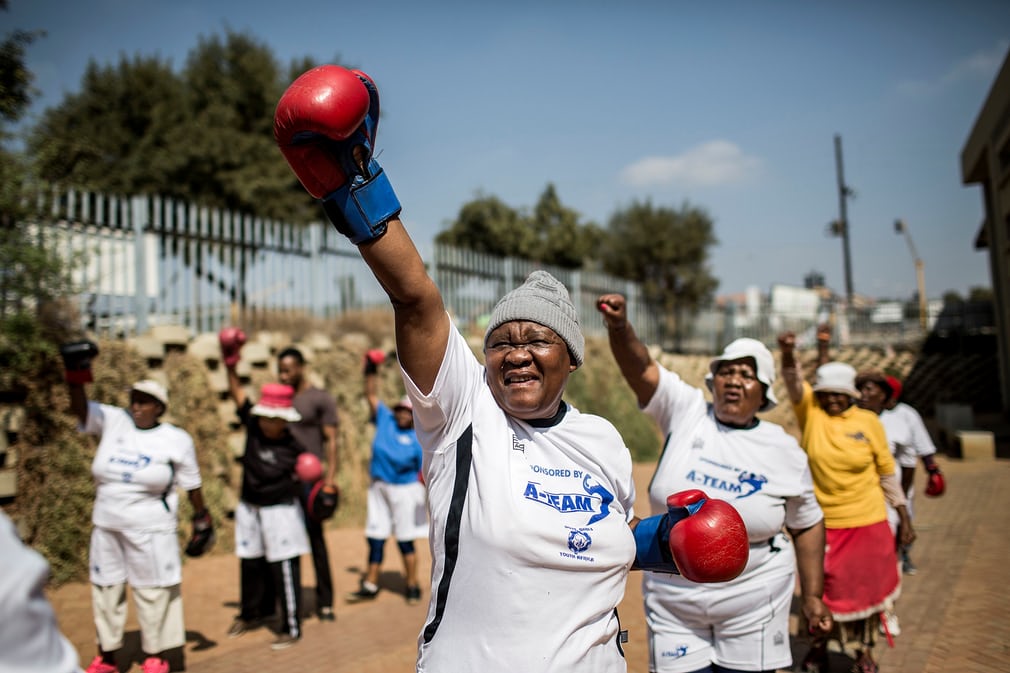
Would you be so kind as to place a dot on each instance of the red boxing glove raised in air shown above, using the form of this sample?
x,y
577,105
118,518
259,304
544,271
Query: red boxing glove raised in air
x,y
325,126
373,359
232,339
703,539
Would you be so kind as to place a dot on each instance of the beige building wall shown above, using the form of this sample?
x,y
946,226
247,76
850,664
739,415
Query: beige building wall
x,y
985,160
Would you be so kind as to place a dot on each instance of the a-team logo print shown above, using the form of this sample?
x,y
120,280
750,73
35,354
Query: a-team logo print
x,y
752,481
675,653
595,500
858,436
579,541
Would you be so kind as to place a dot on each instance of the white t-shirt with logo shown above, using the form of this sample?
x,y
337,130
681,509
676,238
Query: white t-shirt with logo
x,y
137,471
529,531
907,434
761,471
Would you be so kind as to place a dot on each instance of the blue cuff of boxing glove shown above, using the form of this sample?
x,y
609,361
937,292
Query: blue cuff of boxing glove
x,y
651,548
362,207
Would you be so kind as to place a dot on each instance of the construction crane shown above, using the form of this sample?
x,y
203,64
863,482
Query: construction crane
x,y
920,272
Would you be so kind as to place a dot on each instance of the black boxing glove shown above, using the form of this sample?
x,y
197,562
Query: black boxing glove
x,y
77,357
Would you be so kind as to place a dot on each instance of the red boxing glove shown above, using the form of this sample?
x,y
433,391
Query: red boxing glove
x,y
328,101
231,339
935,484
710,544
375,356
325,126
308,468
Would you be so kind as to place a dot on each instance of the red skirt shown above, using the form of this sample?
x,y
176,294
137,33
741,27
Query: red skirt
x,y
861,575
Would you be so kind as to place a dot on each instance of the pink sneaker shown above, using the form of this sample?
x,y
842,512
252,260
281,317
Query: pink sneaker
x,y
154,665
99,666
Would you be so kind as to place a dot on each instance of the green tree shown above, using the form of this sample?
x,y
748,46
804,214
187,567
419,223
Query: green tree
x,y
666,250
204,135
560,238
113,136
488,225
552,234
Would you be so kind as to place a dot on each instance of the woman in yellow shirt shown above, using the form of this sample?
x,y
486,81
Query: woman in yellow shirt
x,y
854,475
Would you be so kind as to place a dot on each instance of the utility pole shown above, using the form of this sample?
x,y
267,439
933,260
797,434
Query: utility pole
x,y
920,271
842,227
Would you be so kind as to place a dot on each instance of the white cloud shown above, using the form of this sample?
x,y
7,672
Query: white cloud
x,y
717,162
982,64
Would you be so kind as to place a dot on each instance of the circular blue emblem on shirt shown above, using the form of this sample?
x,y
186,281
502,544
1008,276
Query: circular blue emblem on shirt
x,y
579,541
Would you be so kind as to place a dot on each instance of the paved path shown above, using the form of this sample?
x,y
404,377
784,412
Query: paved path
x,y
955,613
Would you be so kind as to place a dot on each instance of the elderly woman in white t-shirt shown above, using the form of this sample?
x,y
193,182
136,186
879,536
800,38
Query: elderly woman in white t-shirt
x,y
139,464
723,447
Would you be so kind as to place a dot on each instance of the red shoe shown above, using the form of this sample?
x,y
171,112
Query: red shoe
x,y
154,665
98,665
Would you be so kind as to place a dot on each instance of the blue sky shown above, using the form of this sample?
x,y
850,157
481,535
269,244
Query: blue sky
x,y
732,107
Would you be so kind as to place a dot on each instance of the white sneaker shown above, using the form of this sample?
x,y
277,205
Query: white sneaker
x,y
891,620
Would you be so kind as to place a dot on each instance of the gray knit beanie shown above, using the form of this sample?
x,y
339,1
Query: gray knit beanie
x,y
542,299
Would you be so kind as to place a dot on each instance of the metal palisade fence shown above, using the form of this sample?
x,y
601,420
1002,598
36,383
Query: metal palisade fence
x,y
141,261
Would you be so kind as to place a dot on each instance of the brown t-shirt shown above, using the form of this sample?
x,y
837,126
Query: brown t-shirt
x,y
317,409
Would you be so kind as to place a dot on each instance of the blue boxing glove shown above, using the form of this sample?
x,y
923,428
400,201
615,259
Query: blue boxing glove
x,y
325,126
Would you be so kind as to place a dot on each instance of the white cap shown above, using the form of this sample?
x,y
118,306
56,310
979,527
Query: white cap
x,y
152,388
749,348
836,377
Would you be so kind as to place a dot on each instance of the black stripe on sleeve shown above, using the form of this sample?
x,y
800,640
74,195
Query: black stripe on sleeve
x,y
464,449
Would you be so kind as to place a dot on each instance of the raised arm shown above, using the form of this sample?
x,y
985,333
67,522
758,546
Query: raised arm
x,y
325,125
373,359
823,344
639,369
232,339
77,357
792,371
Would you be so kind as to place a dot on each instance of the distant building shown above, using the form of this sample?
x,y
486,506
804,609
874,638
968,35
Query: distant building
x,y
985,160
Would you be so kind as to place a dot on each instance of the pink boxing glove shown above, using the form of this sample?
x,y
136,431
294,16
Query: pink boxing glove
x,y
308,468
231,339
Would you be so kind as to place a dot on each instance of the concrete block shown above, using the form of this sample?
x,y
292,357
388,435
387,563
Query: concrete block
x,y
256,353
171,335
8,483
218,381
319,342
975,445
147,347
205,347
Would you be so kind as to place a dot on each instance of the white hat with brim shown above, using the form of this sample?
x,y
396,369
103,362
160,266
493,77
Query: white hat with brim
x,y
836,377
749,348
289,414
276,402
152,388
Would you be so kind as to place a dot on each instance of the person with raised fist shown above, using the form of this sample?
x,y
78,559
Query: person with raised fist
x,y
855,480
529,500
722,446
396,500
270,533
317,431
139,464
